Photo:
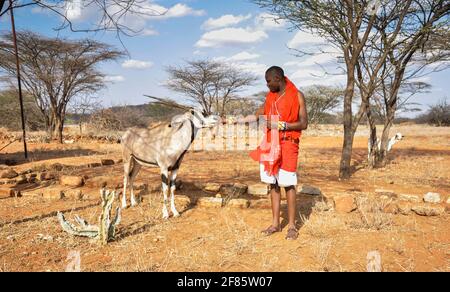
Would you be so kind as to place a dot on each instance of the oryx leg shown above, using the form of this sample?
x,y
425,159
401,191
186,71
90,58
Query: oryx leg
x,y
126,173
165,189
173,177
133,174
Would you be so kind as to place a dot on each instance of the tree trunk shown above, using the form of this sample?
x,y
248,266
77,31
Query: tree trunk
x,y
58,130
381,159
347,148
373,151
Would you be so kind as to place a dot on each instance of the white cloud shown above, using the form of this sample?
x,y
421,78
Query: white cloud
x,y
148,32
90,13
180,10
231,36
113,78
266,21
241,62
306,77
302,39
257,69
156,11
224,20
136,64
73,9
244,56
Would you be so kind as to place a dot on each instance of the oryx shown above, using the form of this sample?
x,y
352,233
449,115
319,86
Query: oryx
x,y
163,146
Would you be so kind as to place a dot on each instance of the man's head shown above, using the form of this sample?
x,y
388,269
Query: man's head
x,y
274,78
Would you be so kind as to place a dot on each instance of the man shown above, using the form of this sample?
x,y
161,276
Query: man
x,y
285,112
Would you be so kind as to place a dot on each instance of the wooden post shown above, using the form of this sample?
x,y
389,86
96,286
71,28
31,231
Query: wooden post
x,y
18,79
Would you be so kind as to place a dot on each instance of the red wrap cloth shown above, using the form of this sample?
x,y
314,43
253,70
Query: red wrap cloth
x,y
277,153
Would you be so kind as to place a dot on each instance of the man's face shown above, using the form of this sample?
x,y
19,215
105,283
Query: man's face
x,y
273,82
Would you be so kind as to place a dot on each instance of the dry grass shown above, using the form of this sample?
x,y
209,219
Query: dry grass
x,y
372,215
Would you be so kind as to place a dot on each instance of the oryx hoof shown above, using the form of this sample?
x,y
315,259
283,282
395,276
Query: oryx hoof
x,y
176,214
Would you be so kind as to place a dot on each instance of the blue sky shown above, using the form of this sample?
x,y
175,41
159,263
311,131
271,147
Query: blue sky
x,y
234,31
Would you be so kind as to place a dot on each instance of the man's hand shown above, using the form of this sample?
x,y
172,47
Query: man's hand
x,y
272,125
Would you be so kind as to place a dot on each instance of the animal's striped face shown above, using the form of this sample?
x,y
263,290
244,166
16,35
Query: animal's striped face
x,y
203,120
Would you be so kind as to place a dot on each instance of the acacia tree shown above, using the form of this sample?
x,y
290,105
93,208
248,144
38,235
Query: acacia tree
x,y
320,100
212,85
408,40
349,26
56,70
345,25
83,106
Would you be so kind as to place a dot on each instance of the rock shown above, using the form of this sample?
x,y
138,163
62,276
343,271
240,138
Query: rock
x,y
71,180
53,193
404,208
7,191
219,195
448,200
310,190
261,204
33,193
384,192
432,197
22,180
238,203
49,175
182,199
94,164
9,173
27,171
344,203
425,209
409,198
107,162
212,187
374,261
210,202
97,182
323,206
73,194
259,189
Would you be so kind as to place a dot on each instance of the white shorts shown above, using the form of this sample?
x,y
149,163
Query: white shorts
x,y
283,177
